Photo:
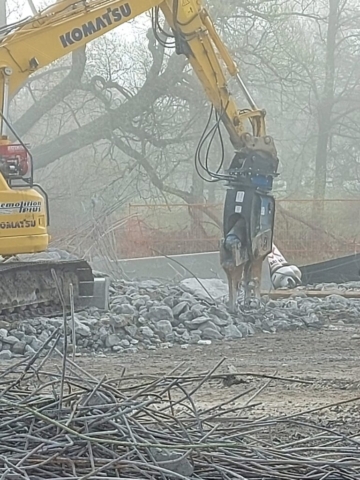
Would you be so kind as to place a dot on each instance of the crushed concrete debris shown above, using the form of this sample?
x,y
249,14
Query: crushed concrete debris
x,y
148,315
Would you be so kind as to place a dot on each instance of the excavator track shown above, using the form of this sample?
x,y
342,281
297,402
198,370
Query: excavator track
x,y
28,288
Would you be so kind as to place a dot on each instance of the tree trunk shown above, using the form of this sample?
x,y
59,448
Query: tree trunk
x,y
324,113
197,186
3,14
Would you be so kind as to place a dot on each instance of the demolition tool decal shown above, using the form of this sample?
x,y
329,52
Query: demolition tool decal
x,y
9,208
111,16
21,224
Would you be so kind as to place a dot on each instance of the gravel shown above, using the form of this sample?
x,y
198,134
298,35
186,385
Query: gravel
x,y
148,315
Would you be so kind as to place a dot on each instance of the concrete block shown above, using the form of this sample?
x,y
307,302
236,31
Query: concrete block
x,y
100,299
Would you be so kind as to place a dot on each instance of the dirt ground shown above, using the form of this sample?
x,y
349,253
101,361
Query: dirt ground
x,y
326,360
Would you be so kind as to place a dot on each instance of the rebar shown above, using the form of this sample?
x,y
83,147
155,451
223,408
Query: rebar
x,y
71,425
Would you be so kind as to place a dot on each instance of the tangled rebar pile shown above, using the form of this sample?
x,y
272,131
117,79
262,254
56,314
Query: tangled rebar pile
x,y
62,423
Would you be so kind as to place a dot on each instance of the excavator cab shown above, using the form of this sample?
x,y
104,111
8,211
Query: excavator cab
x,y
24,210
16,163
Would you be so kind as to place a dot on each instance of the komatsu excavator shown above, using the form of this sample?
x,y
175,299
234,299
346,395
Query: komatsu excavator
x,y
33,43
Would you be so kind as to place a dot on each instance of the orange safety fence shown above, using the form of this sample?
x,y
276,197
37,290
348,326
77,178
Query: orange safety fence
x,y
178,228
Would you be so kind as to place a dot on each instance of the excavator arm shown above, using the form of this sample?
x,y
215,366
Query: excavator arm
x,y
249,207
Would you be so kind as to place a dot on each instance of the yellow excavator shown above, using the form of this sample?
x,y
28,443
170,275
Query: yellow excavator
x,y
35,42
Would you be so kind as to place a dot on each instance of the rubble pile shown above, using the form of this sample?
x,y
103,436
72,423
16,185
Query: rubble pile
x,y
67,424
150,315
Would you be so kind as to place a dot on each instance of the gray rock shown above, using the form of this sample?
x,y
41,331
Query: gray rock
x,y
219,322
10,339
196,332
327,286
103,332
185,337
29,351
5,355
43,336
231,331
141,301
162,312
19,348
112,340
36,344
18,334
196,322
117,348
146,332
312,319
56,322
201,320
29,329
120,300
211,334
274,304
188,298
125,309
180,329
169,301
3,333
169,338
194,338
80,328
198,310
105,321
282,325
131,330
125,343
267,325
245,329
164,328
132,291
337,299
180,308
151,284
121,320
208,324
186,316
218,312
141,321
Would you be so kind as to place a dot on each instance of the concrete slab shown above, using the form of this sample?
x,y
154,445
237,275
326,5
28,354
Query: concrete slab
x,y
173,268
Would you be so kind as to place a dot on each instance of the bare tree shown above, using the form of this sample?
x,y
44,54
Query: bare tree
x,y
128,116
302,63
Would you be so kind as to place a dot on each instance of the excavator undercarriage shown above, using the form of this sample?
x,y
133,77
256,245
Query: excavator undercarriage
x,y
30,285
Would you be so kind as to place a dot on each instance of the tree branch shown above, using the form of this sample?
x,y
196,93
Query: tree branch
x,y
102,127
187,197
58,93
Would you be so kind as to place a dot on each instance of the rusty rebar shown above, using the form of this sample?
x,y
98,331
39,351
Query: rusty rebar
x,y
68,425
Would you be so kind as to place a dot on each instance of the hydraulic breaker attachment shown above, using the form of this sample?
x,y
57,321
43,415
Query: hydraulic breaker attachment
x,y
248,223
